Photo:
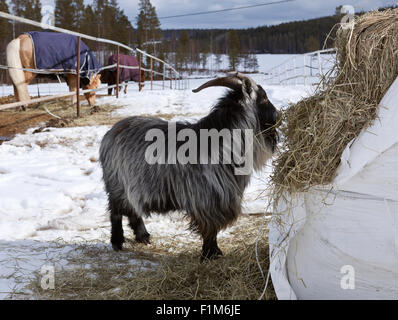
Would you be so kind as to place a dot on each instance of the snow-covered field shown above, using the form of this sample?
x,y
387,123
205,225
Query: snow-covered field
x,y
51,188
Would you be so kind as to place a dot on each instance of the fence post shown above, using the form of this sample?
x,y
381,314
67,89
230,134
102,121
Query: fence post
x,y
164,74
139,71
171,79
78,78
320,64
304,70
151,74
117,73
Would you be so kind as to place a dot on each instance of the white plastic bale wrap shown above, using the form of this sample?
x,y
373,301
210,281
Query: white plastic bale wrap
x,y
353,222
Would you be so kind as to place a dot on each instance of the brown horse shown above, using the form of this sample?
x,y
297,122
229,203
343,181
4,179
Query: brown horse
x,y
125,75
20,54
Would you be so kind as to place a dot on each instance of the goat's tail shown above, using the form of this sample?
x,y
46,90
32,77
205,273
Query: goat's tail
x,y
16,73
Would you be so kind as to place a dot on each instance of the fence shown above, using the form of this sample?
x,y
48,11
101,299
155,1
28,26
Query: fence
x,y
168,73
307,68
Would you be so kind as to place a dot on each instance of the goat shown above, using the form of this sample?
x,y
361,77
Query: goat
x,y
209,194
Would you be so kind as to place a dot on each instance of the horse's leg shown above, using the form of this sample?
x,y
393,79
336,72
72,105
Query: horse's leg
x,y
16,97
14,61
125,88
71,80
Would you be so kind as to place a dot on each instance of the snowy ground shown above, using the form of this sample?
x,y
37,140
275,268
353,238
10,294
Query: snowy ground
x,y
51,188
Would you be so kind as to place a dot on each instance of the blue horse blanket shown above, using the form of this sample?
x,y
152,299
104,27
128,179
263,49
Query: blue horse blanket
x,y
59,51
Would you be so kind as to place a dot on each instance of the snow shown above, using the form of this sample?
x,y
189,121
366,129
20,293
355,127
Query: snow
x,y
51,188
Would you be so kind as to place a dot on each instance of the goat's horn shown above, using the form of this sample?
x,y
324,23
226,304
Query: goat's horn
x,y
233,82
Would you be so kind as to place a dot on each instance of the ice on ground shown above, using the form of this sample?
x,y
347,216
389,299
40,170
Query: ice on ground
x,y
51,188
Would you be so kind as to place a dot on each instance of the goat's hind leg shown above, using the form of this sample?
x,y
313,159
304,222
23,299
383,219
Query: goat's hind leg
x,y
117,237
137,224
210,249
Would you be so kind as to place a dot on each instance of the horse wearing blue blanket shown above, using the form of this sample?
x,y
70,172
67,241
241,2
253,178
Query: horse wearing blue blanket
x,y
52,51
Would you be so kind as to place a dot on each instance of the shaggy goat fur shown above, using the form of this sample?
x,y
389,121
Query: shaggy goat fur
x,y
209,194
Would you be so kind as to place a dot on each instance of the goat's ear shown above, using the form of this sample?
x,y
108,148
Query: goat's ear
x,y
247,86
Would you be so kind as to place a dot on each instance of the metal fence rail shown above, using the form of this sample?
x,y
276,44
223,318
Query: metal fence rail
x,y
308,68
169,73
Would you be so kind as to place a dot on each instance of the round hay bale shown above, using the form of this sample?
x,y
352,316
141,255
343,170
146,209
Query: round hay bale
x,y
334,234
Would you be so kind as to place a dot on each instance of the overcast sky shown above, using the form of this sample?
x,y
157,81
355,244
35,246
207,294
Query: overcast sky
x,y
250,17
244,18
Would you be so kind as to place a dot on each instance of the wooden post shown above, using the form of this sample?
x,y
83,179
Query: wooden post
x,y
164,74
320,65
78,78
151,74
117,73
171,79
139,71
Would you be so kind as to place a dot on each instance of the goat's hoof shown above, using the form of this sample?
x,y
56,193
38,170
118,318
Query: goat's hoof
x,y
117,244
143,238
117,247
211,254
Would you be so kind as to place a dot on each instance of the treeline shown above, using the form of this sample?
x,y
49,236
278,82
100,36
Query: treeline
x,y
292,37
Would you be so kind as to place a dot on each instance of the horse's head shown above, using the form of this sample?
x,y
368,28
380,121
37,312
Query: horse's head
x,y
94,84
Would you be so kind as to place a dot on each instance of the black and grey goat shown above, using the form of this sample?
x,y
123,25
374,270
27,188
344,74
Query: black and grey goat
x,y
209,194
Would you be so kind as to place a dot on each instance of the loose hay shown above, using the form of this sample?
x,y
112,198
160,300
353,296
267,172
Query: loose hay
x,y
165,275
317,129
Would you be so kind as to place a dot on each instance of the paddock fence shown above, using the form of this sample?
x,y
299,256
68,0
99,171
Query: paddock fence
x,y
306,69
169,76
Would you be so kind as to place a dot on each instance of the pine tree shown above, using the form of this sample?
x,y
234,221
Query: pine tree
x,y
233,49
148,26
5,27
64,14
18,7
218,57
205,52
253,63
125,29
109,16
88,25
30,9
182,50
155,32
36,11
78,14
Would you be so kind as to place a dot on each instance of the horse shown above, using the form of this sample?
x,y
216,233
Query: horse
x,y
125,75
26,51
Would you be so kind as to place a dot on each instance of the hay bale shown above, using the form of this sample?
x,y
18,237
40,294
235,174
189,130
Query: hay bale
x,y
316,130
335,196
